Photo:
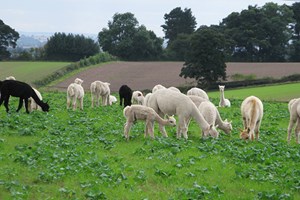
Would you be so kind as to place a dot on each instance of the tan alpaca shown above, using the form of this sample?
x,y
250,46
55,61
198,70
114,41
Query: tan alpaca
x,y
294,109
139,112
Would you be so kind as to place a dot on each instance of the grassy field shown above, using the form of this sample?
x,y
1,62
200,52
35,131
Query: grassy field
x,y
68,154
29,71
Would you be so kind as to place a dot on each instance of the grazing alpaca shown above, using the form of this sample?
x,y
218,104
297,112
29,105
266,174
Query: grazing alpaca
x,y
223,102
112,99
75,91
158,87
197,100
125,94
139,112
207,109
294,109
252,113
21,90
198,92
137,98
169,102
147,98
174,89
100,89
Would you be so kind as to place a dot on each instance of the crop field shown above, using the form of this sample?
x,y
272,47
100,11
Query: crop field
x,y
67,154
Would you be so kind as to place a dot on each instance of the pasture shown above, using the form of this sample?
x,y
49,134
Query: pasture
x,y
67,154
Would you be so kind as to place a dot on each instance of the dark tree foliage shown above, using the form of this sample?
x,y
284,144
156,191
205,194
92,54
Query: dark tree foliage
x,y
178,48
295,45
258,34
70,47
8,38
177,22
127,40
205,61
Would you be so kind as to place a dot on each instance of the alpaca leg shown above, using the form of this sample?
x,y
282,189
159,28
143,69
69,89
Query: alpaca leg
x,y
74,102
183,128
92,99
81,103
20,104
6,100
297,131
257,130
26,105
290,127
68,102
152,130
127,129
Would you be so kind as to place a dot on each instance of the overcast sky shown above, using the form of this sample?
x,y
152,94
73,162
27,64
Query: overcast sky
x,y
90,16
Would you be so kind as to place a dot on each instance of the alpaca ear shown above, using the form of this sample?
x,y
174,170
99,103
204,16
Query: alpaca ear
x,y
167,116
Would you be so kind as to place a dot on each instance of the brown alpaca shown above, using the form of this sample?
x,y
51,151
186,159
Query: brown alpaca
x,y
138,112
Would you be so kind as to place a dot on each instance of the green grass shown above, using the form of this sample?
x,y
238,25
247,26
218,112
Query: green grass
x,y
29,71
280,92
68,154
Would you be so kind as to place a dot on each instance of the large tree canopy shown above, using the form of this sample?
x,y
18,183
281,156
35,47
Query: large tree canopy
x,y
70,47
8,38
177,22
126,39
205,61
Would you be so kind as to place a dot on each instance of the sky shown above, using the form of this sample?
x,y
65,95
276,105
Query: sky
x,y
91,16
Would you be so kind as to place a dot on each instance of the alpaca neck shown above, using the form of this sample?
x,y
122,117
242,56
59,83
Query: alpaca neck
x,y
198,117
222,97
160,120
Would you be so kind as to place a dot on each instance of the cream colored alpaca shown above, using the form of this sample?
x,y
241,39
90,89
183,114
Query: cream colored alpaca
x,y
197,100
174,89
198,92
223,102
252,113
158,87
100,89
139,112
137,98
147,98
294,109
75,91
112,100
169,102
207,109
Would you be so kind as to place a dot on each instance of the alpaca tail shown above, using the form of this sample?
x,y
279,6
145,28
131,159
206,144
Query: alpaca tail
x,y
71,91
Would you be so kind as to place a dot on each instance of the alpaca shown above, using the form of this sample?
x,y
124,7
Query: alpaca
x,y
223,102
197,100
140,112
137,98
32,104
10,78
252,113
174,88
169,102
125,94
100,89
207,109
146,99
294,109
21,90
158,87
112,99
75,91
198,92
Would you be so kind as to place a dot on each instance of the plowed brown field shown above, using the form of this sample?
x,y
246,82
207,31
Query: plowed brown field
x,y
144,75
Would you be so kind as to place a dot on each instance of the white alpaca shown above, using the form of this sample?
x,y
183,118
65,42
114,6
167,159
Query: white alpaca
x,y
223,102
197,100
112,100
174,89
137,98
294,109
147,99
10,78
207,109
75,91
138,112
169,102
100,89
197,92
158,87
32,105
252,113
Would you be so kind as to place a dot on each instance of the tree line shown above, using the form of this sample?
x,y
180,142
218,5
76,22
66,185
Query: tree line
x,y
270,33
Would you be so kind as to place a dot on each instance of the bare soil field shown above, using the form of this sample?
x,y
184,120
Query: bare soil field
x,y
144,75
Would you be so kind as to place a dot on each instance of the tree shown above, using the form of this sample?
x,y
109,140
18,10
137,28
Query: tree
x,y
295,46
178,48
127,40
70,47
8,38
205,60
178,22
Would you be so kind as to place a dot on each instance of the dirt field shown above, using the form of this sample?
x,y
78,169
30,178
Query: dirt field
x,y
144,75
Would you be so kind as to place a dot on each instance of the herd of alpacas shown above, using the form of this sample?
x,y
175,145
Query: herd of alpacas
x,y
160,106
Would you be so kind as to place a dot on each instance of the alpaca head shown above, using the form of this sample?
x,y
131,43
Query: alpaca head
x,y
222,87
171,120
213,131
78,81
228,126
244,134
45,107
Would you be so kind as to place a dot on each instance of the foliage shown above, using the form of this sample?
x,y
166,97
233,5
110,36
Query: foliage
x,y
205,60
69,154
177,22
8,38
69,47
127,40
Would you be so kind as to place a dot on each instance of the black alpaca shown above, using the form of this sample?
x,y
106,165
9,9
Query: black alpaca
x,y
125,93
19,89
